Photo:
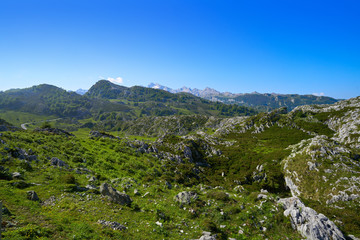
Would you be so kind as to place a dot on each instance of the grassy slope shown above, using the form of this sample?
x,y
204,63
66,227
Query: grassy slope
x,y
74,216
75,213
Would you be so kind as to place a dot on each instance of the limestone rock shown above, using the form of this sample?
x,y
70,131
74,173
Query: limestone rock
x,y
31,195
16,175
114,195
207,236
186,197
112,225
308,222
50,202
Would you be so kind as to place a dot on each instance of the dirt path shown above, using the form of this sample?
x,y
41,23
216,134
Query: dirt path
x,y
23,126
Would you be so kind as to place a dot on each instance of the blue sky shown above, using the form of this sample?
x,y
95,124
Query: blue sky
x,y
238,46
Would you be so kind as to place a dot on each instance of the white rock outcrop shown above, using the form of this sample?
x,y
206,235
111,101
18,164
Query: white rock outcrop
x,y
308,222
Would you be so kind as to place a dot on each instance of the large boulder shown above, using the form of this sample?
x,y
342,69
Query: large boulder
x,y
57,162
308,222
114,195
186,197
31,195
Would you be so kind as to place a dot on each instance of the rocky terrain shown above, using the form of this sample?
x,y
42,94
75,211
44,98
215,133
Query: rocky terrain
x,y
275,175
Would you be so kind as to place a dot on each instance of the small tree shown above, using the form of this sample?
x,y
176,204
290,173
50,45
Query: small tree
x,y
45,125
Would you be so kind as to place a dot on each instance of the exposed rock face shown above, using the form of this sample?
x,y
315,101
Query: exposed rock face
x,y
186,197
57,162
31,195
114,195
112,225
345,123
308,222
321,164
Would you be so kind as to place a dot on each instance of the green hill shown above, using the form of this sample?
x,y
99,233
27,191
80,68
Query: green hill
x,y
154,102
50,100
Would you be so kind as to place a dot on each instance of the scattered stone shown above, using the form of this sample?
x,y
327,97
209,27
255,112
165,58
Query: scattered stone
x,y
114,195
49,202
112,225
136,192
31,195
186,197
159,224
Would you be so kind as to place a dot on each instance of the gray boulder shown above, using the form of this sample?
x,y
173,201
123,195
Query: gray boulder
x,y
16,175
114,195
186,197
308,222
57,162
207,236
31,195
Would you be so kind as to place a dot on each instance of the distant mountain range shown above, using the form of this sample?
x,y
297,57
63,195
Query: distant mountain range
x,y
261,101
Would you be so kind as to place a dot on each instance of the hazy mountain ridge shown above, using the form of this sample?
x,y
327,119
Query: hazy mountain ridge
x,y
261,101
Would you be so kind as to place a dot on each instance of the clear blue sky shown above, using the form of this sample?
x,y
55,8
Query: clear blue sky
x,y
239,46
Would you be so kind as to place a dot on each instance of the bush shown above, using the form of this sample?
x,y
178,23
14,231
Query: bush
x,y
45,125
5,174
69,179
209,226
222,196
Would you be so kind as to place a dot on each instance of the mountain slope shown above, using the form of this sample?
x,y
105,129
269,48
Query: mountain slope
x,y
50,100
154,102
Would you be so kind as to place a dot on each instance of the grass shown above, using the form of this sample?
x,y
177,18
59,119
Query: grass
x,y
75,213
17,118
